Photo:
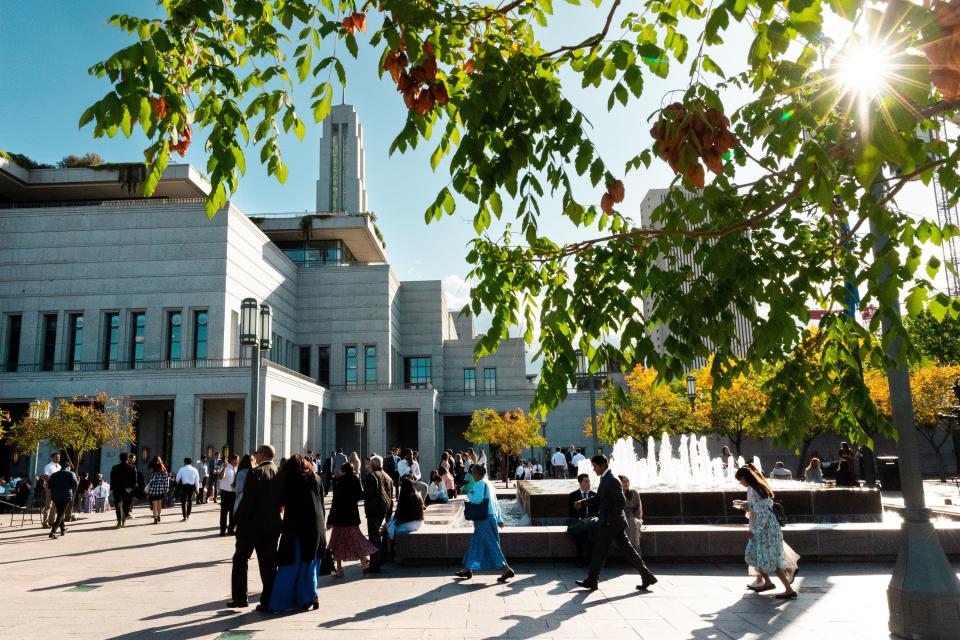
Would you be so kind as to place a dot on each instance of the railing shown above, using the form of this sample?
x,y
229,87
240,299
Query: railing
x,y
297,374
117,365
44,204
383,386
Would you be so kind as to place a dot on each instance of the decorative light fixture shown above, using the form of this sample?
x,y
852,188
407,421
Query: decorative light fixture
x,y
692,391
266,326
249,323
359,418
209,450
144,454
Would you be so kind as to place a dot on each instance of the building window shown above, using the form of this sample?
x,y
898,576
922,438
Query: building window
x,y
199,335
417,371
338,139
350,366
13,341
490,381
323,366
49,347
174,334
138,324
75,352
111,338
370,364
470,382
305,360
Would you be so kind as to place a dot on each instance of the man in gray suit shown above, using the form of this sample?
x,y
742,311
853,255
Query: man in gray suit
x,y
612,527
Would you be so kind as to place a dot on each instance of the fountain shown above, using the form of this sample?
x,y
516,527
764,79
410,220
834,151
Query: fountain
x,y
688,486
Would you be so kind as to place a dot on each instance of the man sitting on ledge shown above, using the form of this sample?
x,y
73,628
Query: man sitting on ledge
x,y
583,519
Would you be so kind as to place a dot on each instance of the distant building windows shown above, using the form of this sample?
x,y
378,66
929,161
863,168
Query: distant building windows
x,y
75,346
309,254
490,381
49,345
323,366
304,361
417,371
470,382
199,335
350,366
370,364
14,323
138,327
338,138
111,338
174,335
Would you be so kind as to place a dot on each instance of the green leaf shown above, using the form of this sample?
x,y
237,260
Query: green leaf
x,y
321,107
496,203
868,164
915,301
303,64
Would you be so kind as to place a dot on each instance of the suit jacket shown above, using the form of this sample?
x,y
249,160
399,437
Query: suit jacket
x,y
608,501
585,510
259,510
62,484
122,477
378,493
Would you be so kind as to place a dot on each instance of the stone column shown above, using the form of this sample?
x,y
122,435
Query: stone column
x,y
186,429
376,431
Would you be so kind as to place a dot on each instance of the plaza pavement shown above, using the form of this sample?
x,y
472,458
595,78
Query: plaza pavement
x,y
170,581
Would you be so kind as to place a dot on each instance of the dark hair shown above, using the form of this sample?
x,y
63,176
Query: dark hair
x,y
339,450
599,459
187,461
434,475
347,469
756,481
246,462
442,471
157,466
297,465
409,503
233,456
558,448
582,476
479,469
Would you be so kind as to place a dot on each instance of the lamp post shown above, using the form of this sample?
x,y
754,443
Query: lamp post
x,y
692,392
38,410
359,420
255,332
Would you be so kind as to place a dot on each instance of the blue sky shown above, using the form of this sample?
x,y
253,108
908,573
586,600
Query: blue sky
x,y
47,47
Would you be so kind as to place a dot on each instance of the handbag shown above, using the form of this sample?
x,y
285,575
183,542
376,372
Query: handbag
x,y
779,513
478,511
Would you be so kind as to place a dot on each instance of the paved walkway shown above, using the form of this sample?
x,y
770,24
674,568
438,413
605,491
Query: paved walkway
x,y
170,581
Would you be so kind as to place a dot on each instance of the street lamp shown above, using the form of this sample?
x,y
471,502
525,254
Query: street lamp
x,y
692,391
38,410
255,328
359,420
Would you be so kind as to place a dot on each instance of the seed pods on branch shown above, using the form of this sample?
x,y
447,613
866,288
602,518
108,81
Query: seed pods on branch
x,y
943,50
687,134
421,89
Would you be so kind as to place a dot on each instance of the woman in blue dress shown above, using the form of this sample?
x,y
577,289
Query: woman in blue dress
x,y
484,551
302,537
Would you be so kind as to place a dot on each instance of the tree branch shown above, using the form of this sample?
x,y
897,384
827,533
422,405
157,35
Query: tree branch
x,y
590,42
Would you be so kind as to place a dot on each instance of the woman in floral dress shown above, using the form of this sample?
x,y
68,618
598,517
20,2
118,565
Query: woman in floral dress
x,y
765,548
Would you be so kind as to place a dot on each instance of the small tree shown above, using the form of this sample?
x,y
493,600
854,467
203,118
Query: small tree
x,y
736,412
512,432
80,425
649,407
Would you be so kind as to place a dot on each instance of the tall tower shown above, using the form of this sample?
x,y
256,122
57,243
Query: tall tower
x,y
340,186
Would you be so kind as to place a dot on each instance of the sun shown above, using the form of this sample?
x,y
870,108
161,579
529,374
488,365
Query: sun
x,y
865,70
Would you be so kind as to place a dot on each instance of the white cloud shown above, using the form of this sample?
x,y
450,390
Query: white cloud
x,y
457,291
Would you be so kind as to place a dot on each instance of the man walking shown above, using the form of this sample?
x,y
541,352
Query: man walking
x,y
338,461
390,468
204,474
612,527
558,464
188,486
62,485
101,495
228,494
47,515
123,481
258,529
377,505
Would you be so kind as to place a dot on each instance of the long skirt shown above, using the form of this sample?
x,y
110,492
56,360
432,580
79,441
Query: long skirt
x,y
296,584
484,551
348,543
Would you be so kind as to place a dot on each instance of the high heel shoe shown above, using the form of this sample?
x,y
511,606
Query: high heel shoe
x,y
312,605
506,575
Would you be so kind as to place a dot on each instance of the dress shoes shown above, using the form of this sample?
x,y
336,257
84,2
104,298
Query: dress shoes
x,y
588,584
237,605
647,583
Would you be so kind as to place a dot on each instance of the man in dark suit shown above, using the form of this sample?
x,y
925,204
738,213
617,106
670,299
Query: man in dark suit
x,y
123,482
583,518
612,527
390,468
258,529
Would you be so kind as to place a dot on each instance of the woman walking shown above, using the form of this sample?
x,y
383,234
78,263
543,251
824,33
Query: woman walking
x,y
484,551
157,487
302,538
347,542
765,551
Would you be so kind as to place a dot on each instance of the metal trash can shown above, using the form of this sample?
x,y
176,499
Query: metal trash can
x,y
888,471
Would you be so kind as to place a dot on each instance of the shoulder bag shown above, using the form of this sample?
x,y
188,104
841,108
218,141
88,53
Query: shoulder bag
x,y
478,511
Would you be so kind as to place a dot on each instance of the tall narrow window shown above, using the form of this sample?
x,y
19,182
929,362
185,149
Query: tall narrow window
x,y
350,365
470,382
370,364
305,360
138,328
75,352
199,335
417,371
174,335
323,366
490,381
49,340
338,138
111,338
13,341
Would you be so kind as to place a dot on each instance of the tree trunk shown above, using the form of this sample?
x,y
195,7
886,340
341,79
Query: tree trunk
x,y
506,470
804,450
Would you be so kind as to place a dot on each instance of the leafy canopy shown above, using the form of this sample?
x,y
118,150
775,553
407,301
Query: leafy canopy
x,y
783,217
512,432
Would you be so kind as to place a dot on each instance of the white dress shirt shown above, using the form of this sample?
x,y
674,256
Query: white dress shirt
x,y
437,492
558,459
51,468
483,458
188,474
405,468
577,457
226,482
519,472
101,491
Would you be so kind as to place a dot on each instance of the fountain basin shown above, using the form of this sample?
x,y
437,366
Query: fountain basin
x,y
545,501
